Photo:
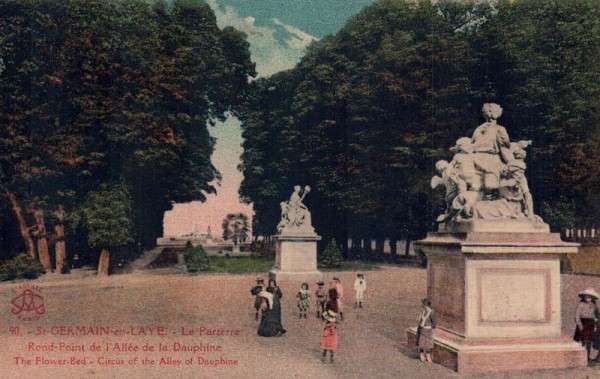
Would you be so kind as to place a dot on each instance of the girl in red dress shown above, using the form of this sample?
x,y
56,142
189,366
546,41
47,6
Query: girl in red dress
x,y
329,339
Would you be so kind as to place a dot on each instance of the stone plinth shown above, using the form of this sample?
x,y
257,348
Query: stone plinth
x,y
496,297
484,356
296,258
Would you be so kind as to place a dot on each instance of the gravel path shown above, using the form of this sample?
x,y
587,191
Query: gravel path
x,y
372,339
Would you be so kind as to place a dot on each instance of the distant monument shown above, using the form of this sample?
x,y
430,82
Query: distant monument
x,y
296,241
198,237
493,266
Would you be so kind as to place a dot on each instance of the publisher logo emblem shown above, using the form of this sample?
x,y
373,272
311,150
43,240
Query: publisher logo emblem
x,y
29,304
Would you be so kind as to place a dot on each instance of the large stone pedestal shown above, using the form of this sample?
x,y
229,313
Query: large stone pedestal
x,y
296,258
497,300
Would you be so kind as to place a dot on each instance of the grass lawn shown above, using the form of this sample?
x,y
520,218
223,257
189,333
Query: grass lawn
x,y
257,264
240,265
351,266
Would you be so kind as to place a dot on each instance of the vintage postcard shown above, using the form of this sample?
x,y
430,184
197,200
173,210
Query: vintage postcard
x,y
299,189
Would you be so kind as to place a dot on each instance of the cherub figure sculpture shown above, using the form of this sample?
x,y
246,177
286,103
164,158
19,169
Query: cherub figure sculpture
x,y
515,187
449,179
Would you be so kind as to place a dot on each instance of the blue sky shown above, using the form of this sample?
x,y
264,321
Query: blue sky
x,y
278,32
315,17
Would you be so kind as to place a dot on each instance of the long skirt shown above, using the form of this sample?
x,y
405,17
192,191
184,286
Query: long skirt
x,y
269,324
587,334
277,311
425,341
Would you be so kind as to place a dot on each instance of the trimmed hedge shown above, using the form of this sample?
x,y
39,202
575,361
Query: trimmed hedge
x,y
196,258
20,267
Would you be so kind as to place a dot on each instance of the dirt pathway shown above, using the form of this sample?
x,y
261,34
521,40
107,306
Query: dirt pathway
x,y
167,308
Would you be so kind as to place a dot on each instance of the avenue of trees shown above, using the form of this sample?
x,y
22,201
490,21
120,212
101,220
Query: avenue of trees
x,y
365,115
104,110
105,107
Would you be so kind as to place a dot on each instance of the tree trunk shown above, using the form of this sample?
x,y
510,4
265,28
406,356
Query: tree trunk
x,y
344,235
42,241
407,247
362,248
104,262
393,249
352,252
23,228
60,248
379,242
368,249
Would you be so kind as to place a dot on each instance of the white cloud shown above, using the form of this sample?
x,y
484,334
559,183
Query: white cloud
x,y
298,38
269,54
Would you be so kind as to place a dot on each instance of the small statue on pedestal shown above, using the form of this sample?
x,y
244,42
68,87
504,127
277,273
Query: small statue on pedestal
x,y
295,217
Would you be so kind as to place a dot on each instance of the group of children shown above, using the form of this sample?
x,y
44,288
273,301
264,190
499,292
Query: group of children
x,y
329,304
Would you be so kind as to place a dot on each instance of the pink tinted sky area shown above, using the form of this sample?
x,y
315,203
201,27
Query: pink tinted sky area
x,y
271,54
184,217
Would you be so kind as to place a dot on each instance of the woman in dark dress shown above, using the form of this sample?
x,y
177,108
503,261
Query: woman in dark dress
x,y
270,323
277,295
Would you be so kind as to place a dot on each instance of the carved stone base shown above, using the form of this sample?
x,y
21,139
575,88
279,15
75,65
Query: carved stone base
x,y
296,258
496,297
494,355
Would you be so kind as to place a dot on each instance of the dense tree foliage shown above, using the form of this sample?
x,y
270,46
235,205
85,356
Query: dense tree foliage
x,y
117,92
367,112
196,259
541,61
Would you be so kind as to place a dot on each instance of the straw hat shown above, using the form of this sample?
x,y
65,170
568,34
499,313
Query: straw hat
x,y
589,292
330,315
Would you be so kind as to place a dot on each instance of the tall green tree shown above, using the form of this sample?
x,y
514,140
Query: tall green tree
x,y
107,215
367,112
358,121
113,91
235,228
540,60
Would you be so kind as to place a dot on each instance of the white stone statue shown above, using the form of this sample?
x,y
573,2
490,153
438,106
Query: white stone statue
x,y
515,187
295,217
486,177
490,146
449,179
